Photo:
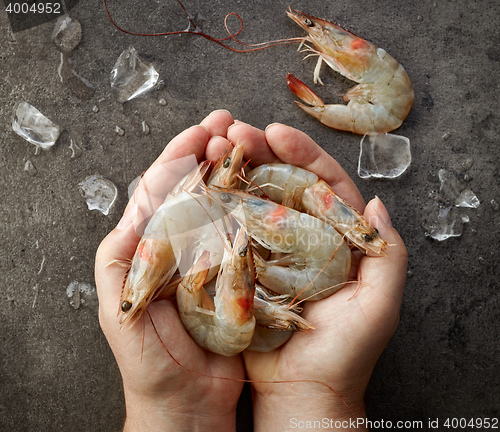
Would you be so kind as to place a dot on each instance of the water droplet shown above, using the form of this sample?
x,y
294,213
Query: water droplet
x,y
95,109
384,156
119,130
76,150
100,193
34,127
162,101
132,76
145,128
494,205
445,136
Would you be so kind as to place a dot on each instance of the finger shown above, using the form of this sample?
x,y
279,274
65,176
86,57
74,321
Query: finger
x,y
115,251
386,275
296,148
216,147
256,148
218,122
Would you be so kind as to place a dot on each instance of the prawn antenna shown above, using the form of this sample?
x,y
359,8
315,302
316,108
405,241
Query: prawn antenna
x,y
204,187
341,285
196,31
179,364
313,279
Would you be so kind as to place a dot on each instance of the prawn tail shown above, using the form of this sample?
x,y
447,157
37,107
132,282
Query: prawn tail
x,y
302,91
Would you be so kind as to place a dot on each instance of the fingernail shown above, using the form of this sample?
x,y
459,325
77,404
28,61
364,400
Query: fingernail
x,y
270,125
198,126
382,212
221,110
127,218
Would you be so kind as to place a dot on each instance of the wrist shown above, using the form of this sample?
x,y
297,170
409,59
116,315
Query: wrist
x,y
148,414
308,411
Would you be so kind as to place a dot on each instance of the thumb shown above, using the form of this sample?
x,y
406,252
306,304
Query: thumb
x,y
386,274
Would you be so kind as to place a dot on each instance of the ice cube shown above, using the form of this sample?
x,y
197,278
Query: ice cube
x,y
454,192
34,127
132,76
67,33
100,193
383,156
442,223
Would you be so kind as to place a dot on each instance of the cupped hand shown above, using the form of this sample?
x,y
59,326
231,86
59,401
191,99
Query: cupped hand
x,y
162,393
353,325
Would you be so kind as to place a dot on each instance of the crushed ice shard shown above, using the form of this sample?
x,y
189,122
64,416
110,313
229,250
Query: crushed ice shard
x,y
442,223
67,34
100,193
79,85
455,192
34,127
132,76
30,168
81,293
383,156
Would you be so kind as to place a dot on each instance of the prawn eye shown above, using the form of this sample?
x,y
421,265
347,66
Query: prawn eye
x,y
368,237
225,198
126,305
226,163
261,296
243,251
308,22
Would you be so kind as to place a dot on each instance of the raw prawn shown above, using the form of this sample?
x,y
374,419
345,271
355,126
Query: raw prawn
x,y
304,190
225,172
180,227
156,259
226,324
317,260
384,94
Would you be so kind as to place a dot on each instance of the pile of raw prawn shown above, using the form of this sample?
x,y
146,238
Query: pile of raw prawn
x,y
238,251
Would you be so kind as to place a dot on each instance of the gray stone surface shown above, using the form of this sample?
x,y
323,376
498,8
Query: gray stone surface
x,y
56,369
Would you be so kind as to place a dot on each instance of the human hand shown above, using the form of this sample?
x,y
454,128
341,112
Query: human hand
x,y
353,325
160,394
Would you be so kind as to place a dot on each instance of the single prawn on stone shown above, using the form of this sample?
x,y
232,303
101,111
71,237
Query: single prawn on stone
x,y
384,94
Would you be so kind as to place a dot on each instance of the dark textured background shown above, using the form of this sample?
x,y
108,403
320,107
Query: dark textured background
x,y
56,369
